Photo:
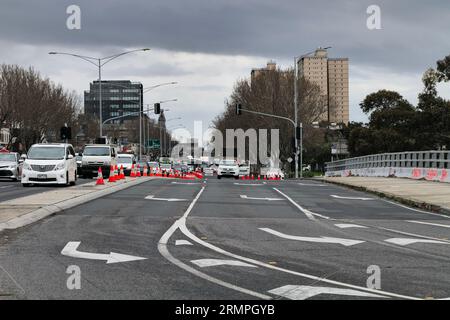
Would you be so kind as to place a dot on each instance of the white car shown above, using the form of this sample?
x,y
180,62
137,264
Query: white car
x,y
10,165
228,168
50,164
127,161
244,170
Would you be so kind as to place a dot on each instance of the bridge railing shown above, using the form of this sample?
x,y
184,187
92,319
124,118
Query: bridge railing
x,y
429,165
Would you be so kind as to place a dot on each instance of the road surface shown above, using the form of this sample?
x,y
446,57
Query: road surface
x,y
230,239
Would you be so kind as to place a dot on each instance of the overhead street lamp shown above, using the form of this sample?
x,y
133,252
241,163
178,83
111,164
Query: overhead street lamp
x,y
296,61
99,63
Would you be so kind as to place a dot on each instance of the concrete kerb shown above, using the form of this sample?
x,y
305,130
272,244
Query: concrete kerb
x,y
402,200
45,211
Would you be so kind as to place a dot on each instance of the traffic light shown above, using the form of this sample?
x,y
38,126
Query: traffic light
x,y
238,109
157,107
298,133
65,133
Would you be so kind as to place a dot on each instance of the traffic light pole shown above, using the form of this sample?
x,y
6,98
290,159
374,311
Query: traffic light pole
x,y
294,123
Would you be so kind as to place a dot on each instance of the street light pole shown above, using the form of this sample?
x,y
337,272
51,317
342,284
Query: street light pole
x,y
99,63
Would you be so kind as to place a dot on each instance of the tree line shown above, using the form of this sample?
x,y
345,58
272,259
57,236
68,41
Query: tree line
x,y
32,107
395,125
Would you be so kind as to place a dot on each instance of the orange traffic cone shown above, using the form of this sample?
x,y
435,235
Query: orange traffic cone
x,y
122,174
100,180
145,171
112,177
138,173
133,172
116,173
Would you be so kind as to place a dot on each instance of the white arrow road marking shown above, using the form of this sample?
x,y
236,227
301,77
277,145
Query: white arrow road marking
x,y
203,263
70,250
249,184
344,242
183,243
352,198
150,197
186,183
305,292
407,241
431,224
348,226
264,199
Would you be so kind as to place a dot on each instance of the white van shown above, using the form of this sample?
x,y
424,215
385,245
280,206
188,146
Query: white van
x,y
50,164
96,156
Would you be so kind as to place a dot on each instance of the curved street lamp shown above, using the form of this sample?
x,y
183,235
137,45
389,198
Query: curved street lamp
x,y
99,63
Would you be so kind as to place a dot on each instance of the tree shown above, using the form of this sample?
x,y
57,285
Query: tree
x,y
34,108
273,92
443,67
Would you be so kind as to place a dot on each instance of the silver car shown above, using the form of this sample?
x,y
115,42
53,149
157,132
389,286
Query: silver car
x,y
10,166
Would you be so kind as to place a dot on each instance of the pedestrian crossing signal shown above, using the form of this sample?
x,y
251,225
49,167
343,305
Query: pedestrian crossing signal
x,y
66,133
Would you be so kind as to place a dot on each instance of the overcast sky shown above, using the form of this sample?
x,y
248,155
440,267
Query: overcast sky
x,y
207,45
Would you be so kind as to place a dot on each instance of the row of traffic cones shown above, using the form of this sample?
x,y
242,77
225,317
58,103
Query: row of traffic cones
x,y
252,177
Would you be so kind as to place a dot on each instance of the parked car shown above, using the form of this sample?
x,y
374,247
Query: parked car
x,y
228,168
50,164
10,165
96,156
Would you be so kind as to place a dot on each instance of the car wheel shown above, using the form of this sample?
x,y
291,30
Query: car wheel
x,y
219,177
74,182
236,178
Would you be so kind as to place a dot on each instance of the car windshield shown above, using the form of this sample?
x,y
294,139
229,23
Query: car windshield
x,y
227,162
124,160
46,153
96,151
153,164
7,157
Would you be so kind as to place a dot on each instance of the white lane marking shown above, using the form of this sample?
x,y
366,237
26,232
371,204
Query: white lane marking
x,y
305,292
70,250
349,225
352,198
150,197
205,244
312,185
344,242
431,224
203,263
183,243
249,184
408,241
412,234
162,248
416,210
308,213
5,187
186,183
263,199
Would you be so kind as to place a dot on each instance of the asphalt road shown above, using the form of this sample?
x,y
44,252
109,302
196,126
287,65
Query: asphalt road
x,y
13,189
231,239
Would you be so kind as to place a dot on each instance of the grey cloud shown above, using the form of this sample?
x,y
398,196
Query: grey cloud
x,y
413,34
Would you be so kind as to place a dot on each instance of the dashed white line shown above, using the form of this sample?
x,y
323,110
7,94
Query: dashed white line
x,y
204,263
431,224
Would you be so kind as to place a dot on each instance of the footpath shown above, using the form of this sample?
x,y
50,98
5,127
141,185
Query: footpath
x,y
22,211
433,196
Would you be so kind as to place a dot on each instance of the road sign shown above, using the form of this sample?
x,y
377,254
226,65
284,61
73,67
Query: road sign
x,y
153,144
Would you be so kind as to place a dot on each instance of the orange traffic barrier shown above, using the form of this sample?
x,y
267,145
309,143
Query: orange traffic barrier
x,y
100,180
